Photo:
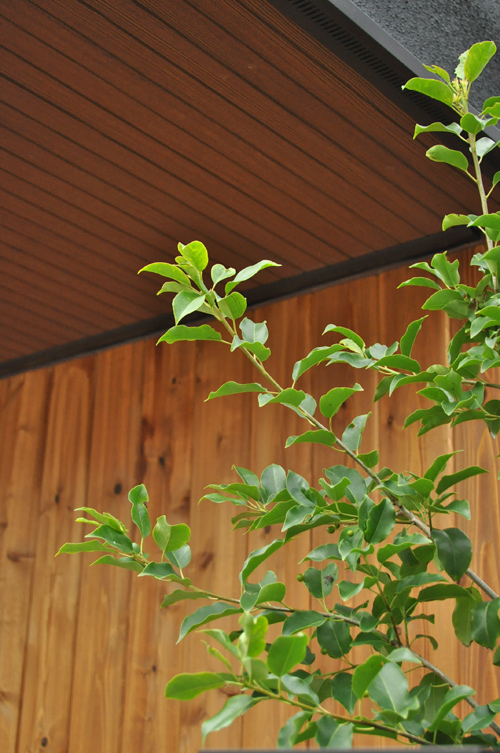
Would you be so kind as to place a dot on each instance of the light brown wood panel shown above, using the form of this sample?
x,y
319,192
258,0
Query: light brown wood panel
x,y
137,414
24,414
47,697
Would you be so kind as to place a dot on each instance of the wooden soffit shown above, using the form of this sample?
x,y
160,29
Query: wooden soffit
x,y
129,125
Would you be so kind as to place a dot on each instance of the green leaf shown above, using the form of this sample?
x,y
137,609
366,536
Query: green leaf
x,y
171,271
286,652
301,620
389,689
258,556
353,432
318,355
206,614
196,254
333,735
381,520
400,362
365,673
288,397
330,403
453,128
462,616
158,570
323,552
478,719
273,481
288,733
408,339
438,466
448,271
477,58
370,459
455,478
342,691
233,305
169,538
454,550
334,637
185,686
139,498
451,157
185,303
252,642
103,517
320,583
82,546
219,272
182,333
431,88
128,563
234,707
235,388
442,592
486,624
181,595
472,124
315,436
453,696
453,220
249,272
349,333
300,688
112,537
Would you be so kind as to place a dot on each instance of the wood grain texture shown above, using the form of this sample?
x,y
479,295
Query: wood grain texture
x,y
85,653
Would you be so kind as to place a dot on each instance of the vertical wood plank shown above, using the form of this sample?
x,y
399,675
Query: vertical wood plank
x,y
104,608
47,683
166,469
24,406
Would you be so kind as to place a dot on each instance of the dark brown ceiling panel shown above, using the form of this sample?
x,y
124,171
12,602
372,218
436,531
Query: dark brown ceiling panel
x,y
129,125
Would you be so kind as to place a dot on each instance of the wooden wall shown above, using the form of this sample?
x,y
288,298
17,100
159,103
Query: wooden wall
x,y
85,652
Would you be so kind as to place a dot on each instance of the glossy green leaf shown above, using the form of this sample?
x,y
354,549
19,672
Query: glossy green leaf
x,y
478,719
286,652
454,550
186,303
316,356
451,157
421,282
206,614
219,272
186,686
288,397
341,689
462,616
442,592
453,128
167,270
407,341
354,431
181,595
300,688
472,124
196,254
334,735
235,388
139,498
301,621
315,436
486,624
127,563
453,696
398,361
234,707
334,637
158,570
389,689
104,517
431,88
323,552
454,478
365,673
258,556
83,546
454,220
169,538
112,537
287,736
330,403
248,272
252,642
320,583
273,480
380,522
182,333
233,305
477,58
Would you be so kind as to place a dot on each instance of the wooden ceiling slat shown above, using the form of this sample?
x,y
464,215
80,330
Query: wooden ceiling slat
x,y
95,274
47,329
150,87
53,285
337,120
350,94
129,121
166,44
187,222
